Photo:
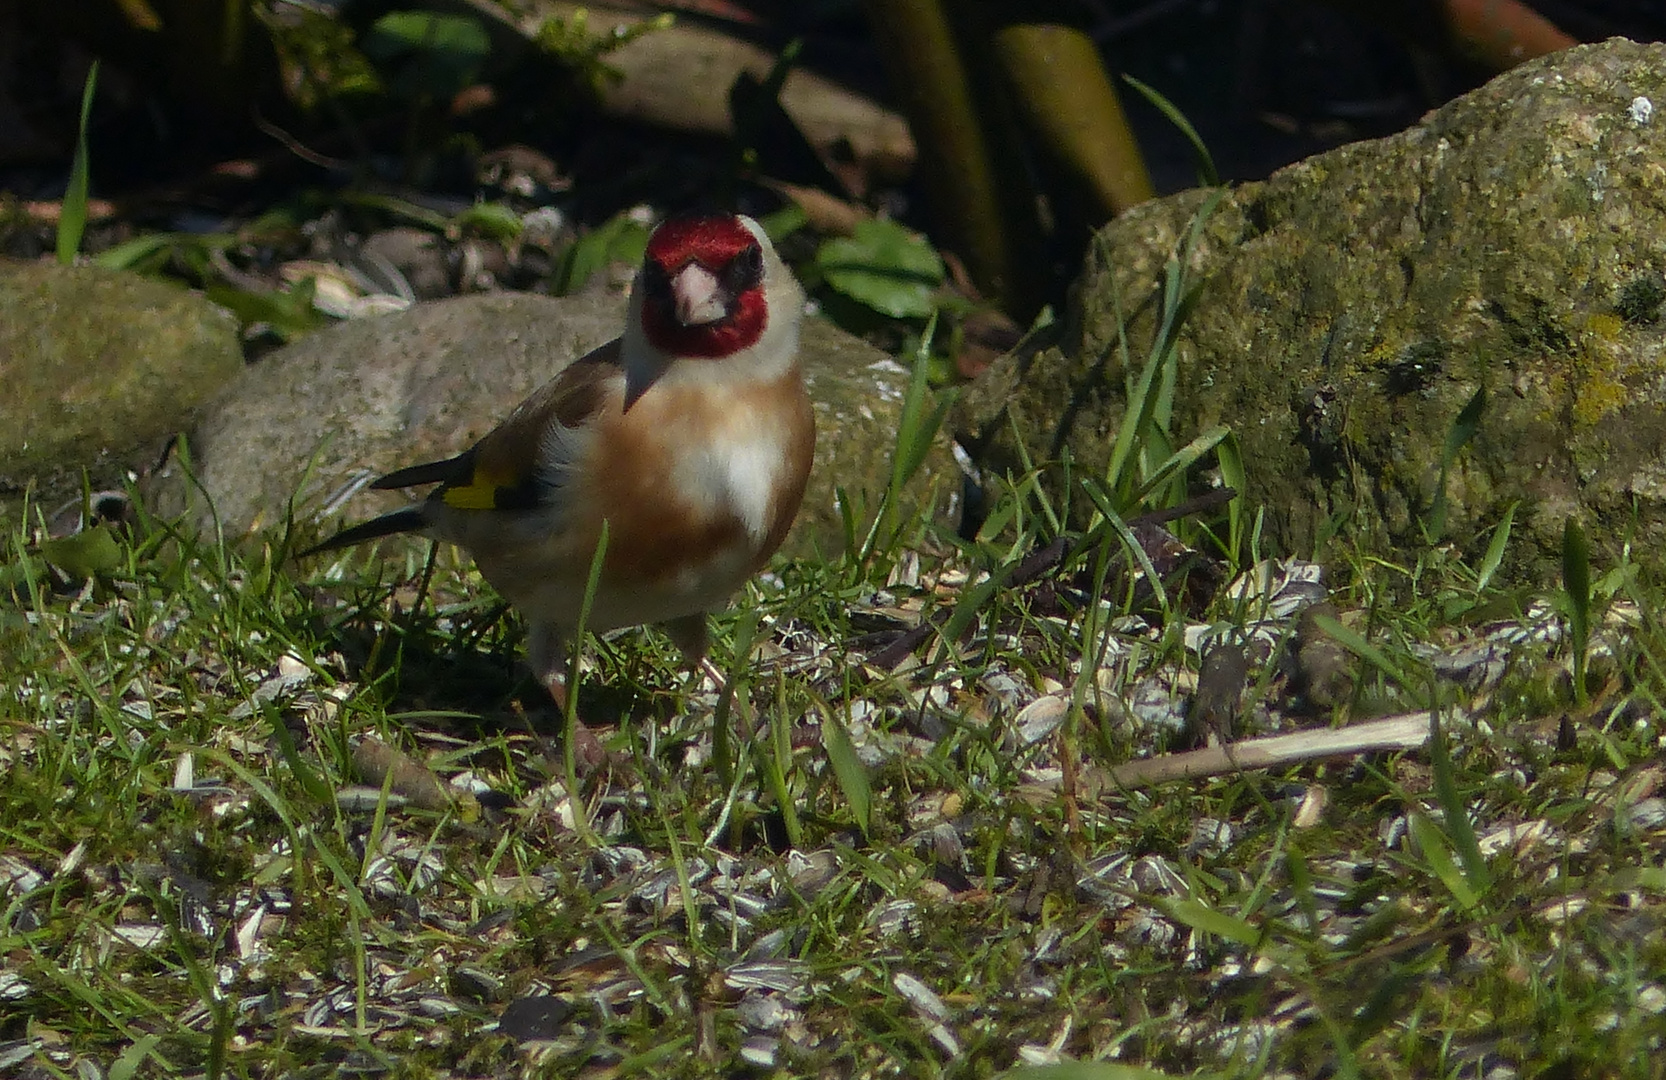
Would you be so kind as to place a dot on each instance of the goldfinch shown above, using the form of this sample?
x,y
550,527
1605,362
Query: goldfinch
x,y
690,436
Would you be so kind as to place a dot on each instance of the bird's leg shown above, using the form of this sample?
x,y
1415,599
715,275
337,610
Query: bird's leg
x,y
690,635
547,654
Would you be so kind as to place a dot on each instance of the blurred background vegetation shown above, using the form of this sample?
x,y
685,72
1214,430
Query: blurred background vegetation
x,y
918,157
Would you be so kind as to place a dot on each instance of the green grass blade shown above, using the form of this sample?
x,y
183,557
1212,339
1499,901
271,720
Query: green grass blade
x,y
1207,174
1463,429
1576,582
916,426
848,769
723,757
1356,644
1233,475
1201,917
72,220
1455,812
1184,458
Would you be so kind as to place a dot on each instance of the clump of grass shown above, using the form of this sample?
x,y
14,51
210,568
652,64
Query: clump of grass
x,y
196,876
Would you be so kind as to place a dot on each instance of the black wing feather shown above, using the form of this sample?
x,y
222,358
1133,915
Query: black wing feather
x,y
456,470
409,519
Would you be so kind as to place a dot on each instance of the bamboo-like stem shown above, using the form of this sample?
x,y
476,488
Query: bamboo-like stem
x,y
1068,100
931,80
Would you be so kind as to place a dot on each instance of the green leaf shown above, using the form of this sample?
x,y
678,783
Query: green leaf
x,y
1234,476
916,427
131,253
88,553
496,220
1495,550
72,219
1200,916
128,253
885,267
126,1066
1438,855
1184,458
783,222
1356,644
1463,429
620,239
848,769
441,54
290,314
311,780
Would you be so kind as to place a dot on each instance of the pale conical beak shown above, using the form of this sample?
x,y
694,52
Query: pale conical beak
x,y
697,297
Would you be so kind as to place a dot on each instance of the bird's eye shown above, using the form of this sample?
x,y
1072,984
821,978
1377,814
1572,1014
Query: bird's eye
x,y
745,271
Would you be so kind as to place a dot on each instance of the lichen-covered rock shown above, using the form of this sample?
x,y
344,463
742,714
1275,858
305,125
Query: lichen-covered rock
x,y
311,423
98,369
1352,304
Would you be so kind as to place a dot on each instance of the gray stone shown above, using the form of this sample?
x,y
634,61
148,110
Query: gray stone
x,y
1352,304
98,369
315,420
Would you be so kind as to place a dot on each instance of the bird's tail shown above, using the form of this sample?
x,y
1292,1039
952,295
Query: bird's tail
x,y
410,519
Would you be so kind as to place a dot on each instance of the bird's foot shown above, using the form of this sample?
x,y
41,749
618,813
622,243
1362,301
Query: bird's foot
x,y
589,753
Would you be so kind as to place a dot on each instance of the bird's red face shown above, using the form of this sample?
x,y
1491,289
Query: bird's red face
x,y
703,287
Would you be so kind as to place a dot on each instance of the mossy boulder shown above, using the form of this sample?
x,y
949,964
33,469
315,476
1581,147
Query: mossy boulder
x,y
1513,242
304,429
99,369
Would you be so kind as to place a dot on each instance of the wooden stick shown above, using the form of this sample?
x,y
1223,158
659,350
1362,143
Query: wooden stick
x,y
1405,732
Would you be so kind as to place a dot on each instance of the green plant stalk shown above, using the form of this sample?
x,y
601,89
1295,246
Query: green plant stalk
x,y
1235,476
691,910
1494,556
1150,397
848,770
1095,641
774,764
1356,643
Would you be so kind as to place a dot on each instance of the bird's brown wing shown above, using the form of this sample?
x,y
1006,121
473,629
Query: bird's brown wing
x,y
518,463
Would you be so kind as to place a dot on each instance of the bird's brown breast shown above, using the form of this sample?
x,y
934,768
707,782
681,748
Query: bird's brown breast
x,y
678,474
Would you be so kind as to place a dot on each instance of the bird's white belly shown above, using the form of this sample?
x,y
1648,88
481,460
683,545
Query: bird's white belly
x,y
557,596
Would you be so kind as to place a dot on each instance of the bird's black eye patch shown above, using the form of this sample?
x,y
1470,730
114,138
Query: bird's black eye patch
x,y
656,283
745,271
